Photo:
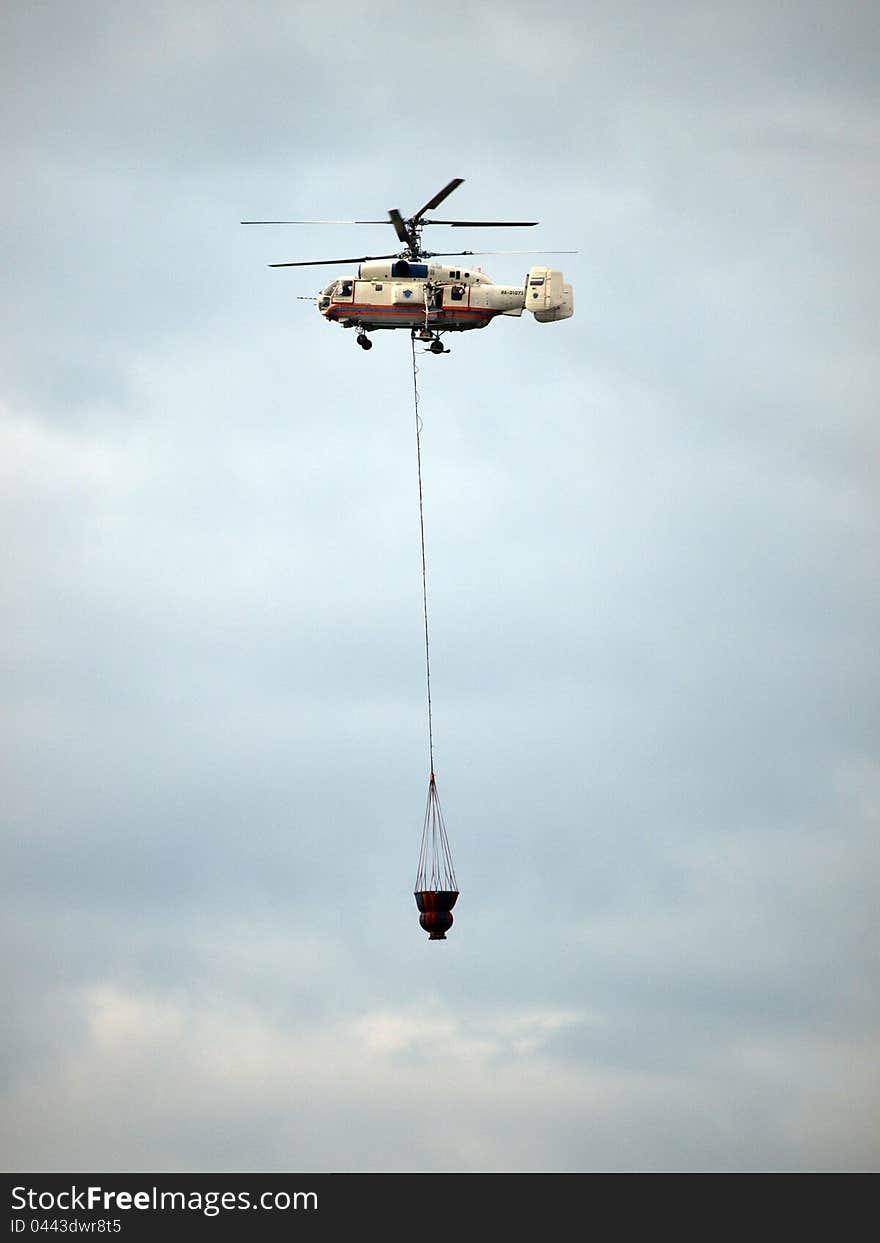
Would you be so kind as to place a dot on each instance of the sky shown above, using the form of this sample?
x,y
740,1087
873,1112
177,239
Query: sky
x,y
651,537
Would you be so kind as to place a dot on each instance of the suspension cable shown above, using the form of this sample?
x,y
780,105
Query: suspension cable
x,y
422,532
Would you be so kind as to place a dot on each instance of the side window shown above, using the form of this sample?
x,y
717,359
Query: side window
x,y
345,289
456,293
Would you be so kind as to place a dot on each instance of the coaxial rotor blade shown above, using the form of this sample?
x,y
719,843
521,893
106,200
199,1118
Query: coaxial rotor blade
x,y
438,198
485,224
399,225
449,254
318,263
311,222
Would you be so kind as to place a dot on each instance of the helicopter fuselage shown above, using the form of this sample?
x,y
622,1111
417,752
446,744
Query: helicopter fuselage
x,y
433,297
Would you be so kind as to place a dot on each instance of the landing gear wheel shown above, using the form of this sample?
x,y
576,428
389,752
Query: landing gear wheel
x,y
364,342
436,347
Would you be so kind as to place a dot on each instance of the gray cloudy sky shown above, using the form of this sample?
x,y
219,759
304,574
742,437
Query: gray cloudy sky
x,y
652,537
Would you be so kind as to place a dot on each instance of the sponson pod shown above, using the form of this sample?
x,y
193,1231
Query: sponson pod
x,y
436,911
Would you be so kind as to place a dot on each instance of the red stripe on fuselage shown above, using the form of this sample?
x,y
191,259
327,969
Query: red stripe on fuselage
x,y
349,308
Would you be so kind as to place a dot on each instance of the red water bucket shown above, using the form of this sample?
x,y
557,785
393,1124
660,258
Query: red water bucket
x,y
436,911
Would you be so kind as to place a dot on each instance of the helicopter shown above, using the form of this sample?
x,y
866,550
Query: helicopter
x,y
406,290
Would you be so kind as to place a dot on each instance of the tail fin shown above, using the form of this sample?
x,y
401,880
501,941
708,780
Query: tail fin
x,y
547,295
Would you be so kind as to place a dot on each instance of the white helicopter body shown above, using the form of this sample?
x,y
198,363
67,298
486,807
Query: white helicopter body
x,y
406,294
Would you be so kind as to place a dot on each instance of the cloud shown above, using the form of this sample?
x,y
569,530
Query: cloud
x,y
417,1089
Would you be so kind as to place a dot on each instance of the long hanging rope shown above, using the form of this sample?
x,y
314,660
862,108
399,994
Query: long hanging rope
x,y
436,872
422,531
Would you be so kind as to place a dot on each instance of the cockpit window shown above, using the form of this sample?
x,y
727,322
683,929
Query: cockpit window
x,y
329,289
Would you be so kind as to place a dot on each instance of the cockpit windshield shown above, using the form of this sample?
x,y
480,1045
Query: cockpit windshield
x,y
329,289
